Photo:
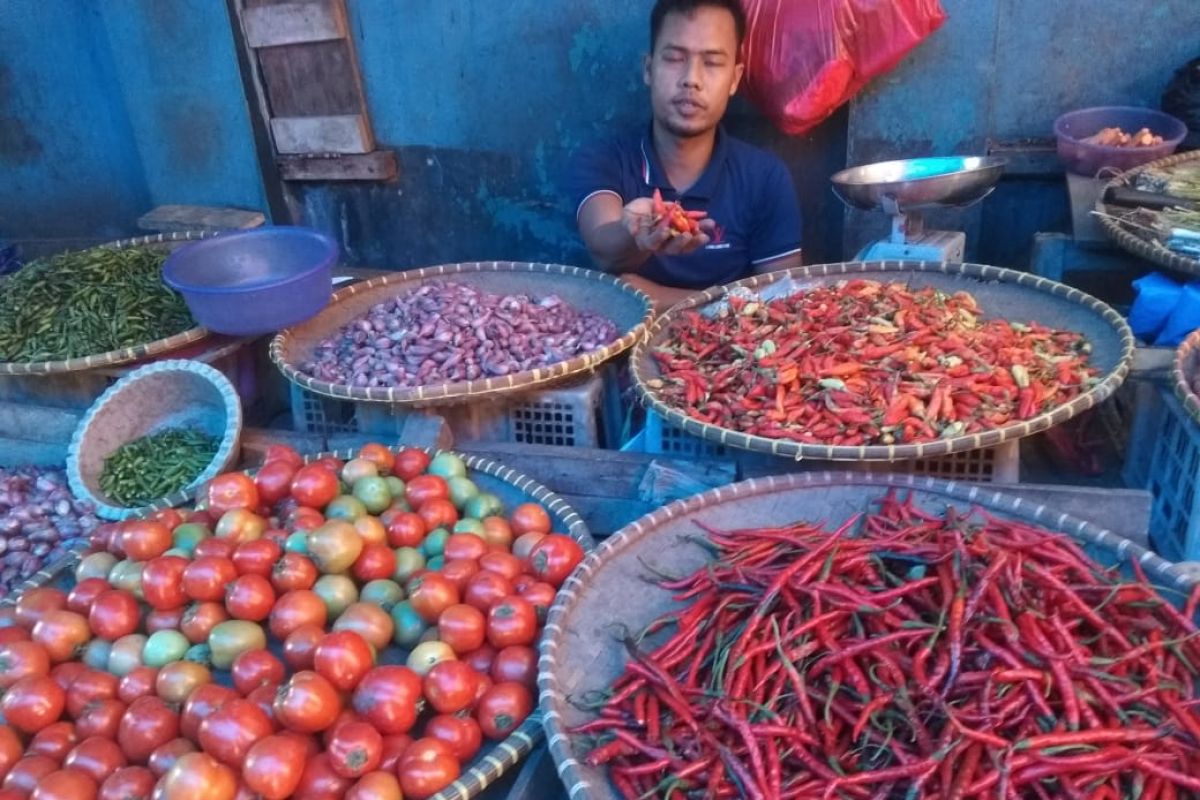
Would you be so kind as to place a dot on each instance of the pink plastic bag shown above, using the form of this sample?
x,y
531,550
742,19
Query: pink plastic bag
x,y
804,58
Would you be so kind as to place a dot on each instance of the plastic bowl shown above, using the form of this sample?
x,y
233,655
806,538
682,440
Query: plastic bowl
x,y
1087,159
254,282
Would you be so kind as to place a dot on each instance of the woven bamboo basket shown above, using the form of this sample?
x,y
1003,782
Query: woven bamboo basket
x,y
167,241
1186,374
1001,293
1134,238
612,588
512,488
627,307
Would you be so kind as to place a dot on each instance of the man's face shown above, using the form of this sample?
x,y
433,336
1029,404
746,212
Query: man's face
x,y
693,71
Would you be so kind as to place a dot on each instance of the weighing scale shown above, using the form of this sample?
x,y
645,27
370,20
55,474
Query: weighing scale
x,y
904,189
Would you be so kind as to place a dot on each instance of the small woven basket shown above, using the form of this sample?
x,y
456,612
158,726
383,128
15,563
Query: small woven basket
x,y
165,394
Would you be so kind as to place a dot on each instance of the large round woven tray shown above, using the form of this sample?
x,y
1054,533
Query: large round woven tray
x,y
167,241
512,488
1186,374
585,289
612,589
1002,293
1136,239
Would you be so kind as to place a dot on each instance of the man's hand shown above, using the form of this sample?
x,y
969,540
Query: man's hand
x,y
655,235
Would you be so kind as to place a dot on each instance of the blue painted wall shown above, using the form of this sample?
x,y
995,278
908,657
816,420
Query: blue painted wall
x,y
110,109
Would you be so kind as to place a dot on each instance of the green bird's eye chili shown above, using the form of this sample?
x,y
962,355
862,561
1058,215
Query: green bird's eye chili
x,y
156,465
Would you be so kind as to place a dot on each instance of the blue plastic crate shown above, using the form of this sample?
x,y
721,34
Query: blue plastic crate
x,y
1174,474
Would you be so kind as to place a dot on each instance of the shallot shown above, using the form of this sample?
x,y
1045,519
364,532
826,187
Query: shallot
x,y
40,522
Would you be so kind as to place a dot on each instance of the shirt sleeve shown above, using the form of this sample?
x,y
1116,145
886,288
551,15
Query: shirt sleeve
x,y
777,227
593,169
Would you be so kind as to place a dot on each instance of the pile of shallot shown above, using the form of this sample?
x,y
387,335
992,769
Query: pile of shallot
x,y
39,522
445,331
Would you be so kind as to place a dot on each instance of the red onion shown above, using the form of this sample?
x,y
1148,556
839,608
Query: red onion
x,y
40,521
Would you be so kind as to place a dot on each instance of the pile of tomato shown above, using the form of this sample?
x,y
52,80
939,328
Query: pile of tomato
x,y
318,630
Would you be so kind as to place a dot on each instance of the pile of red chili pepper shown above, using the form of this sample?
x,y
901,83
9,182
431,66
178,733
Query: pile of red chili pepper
x,y
866,363
905,655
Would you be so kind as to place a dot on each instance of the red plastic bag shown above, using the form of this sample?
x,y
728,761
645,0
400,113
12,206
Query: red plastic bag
x,y
804,58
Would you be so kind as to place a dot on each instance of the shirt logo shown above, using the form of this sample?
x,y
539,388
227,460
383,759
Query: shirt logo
x,y
717,239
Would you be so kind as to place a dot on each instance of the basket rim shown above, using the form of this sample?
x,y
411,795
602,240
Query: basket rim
x,y
125,354
640,363
226,453
1145,248
552,694
1183,371
458,391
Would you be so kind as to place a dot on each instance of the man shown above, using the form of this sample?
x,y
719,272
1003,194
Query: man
x,y
753,224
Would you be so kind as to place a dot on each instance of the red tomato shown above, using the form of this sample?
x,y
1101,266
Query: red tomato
x,y
394,746
139,682
54,741
228,733
449,686
465,546
511,621
541,595
22,660
463,627
168,619
529,518
379,455
525,543
369,621
13,633
439,512
257,557
355,749
197,775
461,734
128,783
497,533
285,453
404,528
554,557
31,605
431,594
250,597
205,578
296,609
410,462
502,708
343,658
377,785
307,703
177,680
459,571
480,659
214,547
62,633
10,749
32,703
264,698
319,781
301,646
26,773
315,485
274,766
84,593
148,723
232,490
424,488
200,705
65,784
485,589
255,668
293,571
240,525
305,519
387,698
90,685
162,582
200,618
427,768
169,517
96,756
144,539
516,664
522,583
502,563
64,674
100,718
165,755
274,481
347,715
375,562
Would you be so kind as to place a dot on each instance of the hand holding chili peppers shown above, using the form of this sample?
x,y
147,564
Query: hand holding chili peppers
x,y
661,226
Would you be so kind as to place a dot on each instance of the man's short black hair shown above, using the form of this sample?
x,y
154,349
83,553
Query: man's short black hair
x,y
664,7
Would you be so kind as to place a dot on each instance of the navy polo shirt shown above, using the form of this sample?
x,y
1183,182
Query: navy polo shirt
x,y
747,192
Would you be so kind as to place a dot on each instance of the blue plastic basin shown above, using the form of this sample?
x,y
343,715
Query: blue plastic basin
x,y
254,282
1083,158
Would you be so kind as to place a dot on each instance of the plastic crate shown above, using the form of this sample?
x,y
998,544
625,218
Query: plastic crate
x,y
567,416
1000,464
1174,474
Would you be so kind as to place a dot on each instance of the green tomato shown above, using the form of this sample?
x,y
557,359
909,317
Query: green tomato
x,y
126,654
346,507
462,489
95,655
231,638
382,593
409,625
373,493
427,654
337,592
447,465
163,647
484,504
296,543
200,654
356,469
396,489
408,561
188,535
399,503
436,563
435,542
469,525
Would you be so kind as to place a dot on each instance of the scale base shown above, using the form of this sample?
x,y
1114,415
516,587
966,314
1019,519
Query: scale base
x,y
928,246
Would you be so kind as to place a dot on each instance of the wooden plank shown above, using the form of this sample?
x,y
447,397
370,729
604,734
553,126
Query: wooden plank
x,y
294,23
1027,158
38,423
377,165
350,133
191,218
307,80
